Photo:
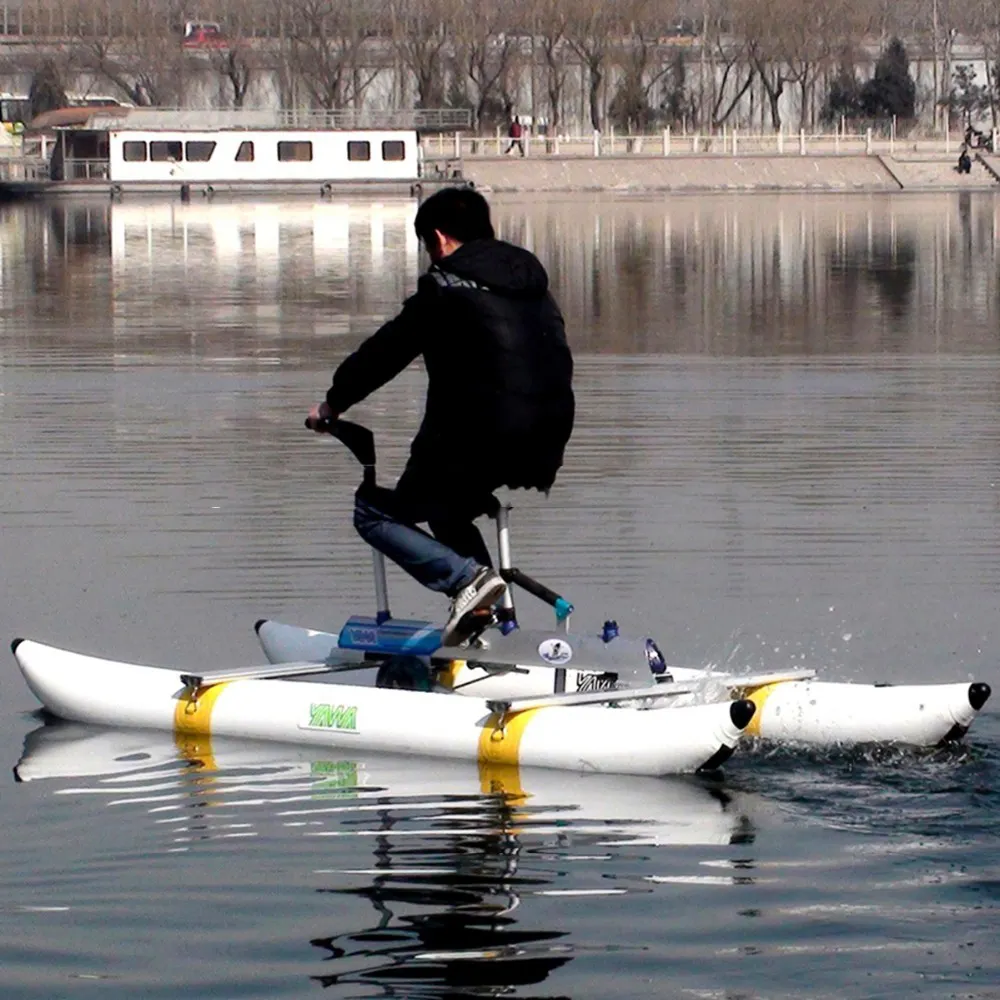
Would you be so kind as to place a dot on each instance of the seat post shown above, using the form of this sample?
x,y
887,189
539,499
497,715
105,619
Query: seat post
x,y
382,612
503,552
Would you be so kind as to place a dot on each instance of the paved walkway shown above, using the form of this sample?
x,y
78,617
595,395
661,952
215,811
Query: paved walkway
x,y
727,173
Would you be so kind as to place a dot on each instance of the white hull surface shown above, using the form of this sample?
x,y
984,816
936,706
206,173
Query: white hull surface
x,y
619,740
800,711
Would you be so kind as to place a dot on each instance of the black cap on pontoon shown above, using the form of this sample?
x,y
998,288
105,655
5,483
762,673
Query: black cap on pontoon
x,y
741,712
978,693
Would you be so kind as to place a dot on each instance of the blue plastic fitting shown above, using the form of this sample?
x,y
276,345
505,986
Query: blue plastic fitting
x,y
657,664
610,630
563,609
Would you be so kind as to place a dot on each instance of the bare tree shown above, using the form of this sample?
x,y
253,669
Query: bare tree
x,y
590,33
550,23
733,72
757,23
421,37
984,27
930,26
808,42
134,45
329,40
487,49
245,25
642,60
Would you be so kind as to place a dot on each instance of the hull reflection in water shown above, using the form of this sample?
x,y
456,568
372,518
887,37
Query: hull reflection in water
x,y
458,852
129,764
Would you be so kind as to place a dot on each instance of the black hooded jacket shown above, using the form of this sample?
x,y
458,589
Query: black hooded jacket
x,y
499,393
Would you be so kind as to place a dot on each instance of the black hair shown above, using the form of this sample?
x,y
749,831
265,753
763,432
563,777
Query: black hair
x,y
458,212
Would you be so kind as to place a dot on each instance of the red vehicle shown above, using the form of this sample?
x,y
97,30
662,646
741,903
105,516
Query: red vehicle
x,y
203,35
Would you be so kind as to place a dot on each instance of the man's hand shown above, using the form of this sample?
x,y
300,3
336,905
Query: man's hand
x,y
319,415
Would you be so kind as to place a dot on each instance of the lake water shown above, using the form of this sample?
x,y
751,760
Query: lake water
x,y
787,455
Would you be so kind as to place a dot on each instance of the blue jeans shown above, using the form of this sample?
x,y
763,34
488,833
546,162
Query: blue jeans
x,y
445,560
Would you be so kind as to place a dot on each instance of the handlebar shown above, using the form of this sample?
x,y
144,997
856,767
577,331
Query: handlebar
x,y
359,440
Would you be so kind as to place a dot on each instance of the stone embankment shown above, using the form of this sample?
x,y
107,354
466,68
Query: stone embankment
x,y
692,173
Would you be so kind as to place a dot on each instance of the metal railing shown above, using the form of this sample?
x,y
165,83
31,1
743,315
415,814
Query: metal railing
x,y
671,143
86,170
21,170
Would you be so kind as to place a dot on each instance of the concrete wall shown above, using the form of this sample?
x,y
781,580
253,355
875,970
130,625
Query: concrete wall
x,y
708,173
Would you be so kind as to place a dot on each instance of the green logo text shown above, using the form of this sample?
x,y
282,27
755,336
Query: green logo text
x,y
334,717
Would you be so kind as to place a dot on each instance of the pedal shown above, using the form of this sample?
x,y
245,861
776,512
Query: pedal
x,y
472,625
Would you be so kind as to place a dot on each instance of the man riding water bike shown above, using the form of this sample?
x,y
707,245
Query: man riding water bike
x,y
499,408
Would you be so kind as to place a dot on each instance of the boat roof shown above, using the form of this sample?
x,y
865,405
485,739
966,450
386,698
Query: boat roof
x,y
67,118
114,118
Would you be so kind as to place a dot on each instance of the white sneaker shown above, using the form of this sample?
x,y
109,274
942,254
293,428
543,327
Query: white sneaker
x,y
486,589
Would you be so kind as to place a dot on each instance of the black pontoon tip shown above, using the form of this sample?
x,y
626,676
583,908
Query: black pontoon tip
x,y
17,642
978,693
741,712
257,625
954,735
717,759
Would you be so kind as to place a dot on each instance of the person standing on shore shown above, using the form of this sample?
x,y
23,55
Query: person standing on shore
x,y
499,408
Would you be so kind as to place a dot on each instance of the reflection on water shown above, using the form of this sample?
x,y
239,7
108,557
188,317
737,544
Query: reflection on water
x,y
198,272
786,455
437,880
457,854
714,274
768,275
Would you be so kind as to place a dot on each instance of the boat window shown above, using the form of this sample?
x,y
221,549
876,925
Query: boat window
x,y
199,151
165,150
298,151
394,149
245,153
134,151
359,150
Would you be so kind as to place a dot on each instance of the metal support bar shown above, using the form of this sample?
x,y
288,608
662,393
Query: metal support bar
x,y
591,697
254,673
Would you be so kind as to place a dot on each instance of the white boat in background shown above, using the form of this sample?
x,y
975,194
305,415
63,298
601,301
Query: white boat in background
x,y
244,157
152,150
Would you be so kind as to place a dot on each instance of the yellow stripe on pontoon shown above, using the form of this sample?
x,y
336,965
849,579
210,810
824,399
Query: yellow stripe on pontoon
x,y
501,744
193,714
446,676
758,696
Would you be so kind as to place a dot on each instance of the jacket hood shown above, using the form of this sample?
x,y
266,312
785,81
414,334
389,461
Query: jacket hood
x,y
501,267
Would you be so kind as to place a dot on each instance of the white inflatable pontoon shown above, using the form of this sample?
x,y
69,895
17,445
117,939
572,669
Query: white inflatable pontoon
x,y
791,706
614,732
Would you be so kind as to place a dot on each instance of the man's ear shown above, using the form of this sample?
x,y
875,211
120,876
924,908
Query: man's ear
x,y
433,245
